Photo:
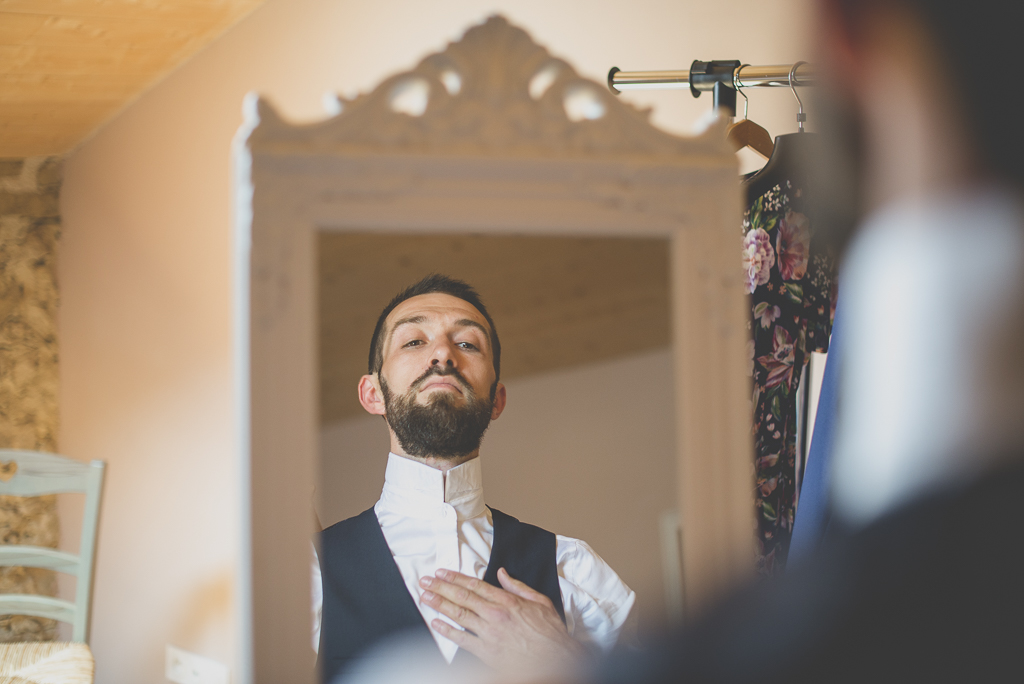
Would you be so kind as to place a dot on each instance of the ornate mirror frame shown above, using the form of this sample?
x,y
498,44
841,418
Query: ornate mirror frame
x,y
492,135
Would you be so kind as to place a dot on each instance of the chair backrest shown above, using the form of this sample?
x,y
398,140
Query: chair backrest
x,y
32,473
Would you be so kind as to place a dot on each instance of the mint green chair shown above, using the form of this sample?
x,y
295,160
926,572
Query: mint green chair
x,y
33,473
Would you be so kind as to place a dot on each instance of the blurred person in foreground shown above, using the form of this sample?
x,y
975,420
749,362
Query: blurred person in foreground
x,y
433,375
920,576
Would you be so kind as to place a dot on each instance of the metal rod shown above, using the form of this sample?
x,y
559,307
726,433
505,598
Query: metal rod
x,y
772,76
644,80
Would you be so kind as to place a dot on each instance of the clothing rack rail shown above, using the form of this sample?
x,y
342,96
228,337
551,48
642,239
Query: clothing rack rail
x,y
722,77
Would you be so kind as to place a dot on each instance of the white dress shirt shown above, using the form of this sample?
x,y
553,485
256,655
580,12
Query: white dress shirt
x,y
433,520
931,381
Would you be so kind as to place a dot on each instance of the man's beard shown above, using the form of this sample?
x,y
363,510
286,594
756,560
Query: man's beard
x,y
439,428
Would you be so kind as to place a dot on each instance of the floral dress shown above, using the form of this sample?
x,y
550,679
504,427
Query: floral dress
x,y
792,304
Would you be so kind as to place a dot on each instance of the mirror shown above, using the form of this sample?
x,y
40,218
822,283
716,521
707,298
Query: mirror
x,y
586,445
462,151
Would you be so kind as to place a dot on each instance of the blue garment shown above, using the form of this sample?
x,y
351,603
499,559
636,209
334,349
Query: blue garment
x,y
812,512
789,274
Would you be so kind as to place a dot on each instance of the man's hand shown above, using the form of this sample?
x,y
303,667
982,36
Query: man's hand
x,y
515,630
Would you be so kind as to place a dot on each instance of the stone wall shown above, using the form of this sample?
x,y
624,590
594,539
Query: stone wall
x,y
29,233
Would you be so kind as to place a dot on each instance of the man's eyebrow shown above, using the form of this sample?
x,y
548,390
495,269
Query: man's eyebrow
x,y
410,320
407,320
469,322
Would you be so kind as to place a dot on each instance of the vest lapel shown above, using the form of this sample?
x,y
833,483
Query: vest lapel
x,y
528,554
395,605
365,597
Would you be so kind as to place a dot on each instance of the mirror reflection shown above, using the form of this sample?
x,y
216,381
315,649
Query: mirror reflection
x,y
585,446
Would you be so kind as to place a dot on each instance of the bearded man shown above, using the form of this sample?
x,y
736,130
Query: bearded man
x,y
434,365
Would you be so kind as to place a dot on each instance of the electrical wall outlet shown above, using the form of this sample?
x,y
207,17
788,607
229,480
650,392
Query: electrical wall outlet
x,y
188,668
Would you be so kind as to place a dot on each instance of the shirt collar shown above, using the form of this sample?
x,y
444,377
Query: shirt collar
x,y
417,490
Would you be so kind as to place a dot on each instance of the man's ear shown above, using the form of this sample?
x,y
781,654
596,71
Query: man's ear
x,y
370,395
499,401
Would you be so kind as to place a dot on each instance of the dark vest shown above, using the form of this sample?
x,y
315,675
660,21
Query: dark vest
x,y
366,600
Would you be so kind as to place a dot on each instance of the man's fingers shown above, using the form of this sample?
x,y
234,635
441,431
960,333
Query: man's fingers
x,y
514,586
466,594
459,613
461,638
518,629
472,584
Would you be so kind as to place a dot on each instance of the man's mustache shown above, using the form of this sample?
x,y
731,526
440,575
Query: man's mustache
x,y
443,371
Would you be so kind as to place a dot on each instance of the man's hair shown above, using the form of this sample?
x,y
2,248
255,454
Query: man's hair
x,y
978,44
433,284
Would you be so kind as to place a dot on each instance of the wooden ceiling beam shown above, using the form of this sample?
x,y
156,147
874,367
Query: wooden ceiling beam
x,y
78,60
67,66
43,30
29,129
44,88
176,10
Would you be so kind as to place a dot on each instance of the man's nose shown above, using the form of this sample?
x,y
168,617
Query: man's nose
x,y
443,354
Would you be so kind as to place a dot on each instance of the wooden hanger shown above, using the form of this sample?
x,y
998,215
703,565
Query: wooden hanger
x,y
746,133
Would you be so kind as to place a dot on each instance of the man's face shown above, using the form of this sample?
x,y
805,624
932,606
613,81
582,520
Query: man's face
x,y
437,379
441,333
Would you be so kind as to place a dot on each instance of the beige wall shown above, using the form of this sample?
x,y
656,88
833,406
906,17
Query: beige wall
x,y
587,452
145,268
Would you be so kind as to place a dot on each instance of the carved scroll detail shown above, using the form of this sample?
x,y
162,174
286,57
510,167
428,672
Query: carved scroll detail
x,y
490,109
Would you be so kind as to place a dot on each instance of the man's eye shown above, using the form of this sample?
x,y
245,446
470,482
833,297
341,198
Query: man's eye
x,y
412,343
467,345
